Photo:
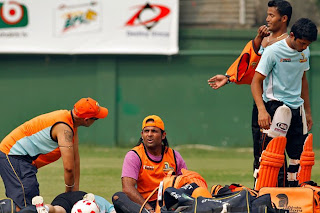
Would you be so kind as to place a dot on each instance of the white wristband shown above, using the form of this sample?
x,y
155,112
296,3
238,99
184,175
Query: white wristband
x,y
70,186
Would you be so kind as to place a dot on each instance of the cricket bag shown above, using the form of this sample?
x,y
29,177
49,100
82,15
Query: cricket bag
x,y
291,199
237,202
316,194
190,179
234,187
7,206
123,204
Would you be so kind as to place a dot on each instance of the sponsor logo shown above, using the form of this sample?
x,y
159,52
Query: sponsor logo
x,y
167,167
77,18
254,64
282,126
186,187
304,59
158,12
285,60
175,195
147,16
280,130
148,167
283,200
211,200
283,204
218,201
13,14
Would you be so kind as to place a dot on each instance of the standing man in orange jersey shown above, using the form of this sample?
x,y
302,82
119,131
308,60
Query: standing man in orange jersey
x,y
243,69
43,140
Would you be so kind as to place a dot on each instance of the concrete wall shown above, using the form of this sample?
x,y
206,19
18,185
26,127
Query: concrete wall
x,y
226,13
217,13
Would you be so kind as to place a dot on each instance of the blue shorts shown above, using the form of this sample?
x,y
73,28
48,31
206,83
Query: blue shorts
x,y
19,178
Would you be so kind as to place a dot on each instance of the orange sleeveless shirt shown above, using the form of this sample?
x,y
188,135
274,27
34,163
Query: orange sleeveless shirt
x,y
243,68
152,173
34,140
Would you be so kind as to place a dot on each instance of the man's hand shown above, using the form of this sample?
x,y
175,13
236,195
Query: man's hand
x,y
309,121
264,119
217,81
263,31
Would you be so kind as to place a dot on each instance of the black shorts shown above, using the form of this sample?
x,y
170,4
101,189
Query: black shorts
x,y
68,199
19,178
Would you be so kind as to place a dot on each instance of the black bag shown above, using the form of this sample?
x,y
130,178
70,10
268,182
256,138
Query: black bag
x,y
237,202
7,206
176,200
123,204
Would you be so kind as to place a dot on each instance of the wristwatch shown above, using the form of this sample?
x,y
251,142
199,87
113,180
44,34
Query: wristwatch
x,y
228,76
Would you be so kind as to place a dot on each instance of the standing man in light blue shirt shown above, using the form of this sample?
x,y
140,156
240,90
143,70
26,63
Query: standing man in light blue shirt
x,y
280,78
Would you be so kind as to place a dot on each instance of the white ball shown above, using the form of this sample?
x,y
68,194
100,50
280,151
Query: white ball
x,y
85,206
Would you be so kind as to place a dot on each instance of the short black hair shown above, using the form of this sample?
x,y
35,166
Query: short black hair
x,y
284,8
304,28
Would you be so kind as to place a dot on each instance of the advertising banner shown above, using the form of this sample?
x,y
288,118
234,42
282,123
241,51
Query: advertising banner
x,y
89,26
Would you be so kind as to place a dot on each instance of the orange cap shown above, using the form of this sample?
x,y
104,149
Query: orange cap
x,y
157,122
89,108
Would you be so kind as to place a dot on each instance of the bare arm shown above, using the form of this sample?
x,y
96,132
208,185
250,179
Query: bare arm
x,y
77,162
218,81
64,135
128,187
264,119
305,97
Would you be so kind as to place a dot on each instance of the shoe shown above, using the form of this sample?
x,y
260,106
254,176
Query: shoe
x,y
38,202
89,196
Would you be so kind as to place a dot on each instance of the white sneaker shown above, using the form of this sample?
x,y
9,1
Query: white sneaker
x,y
89,196
38,202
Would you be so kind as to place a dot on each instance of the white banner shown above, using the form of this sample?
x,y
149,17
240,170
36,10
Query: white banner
x,y
89,27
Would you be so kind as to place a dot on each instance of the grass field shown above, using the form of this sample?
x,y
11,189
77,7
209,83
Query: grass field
x,y
101,169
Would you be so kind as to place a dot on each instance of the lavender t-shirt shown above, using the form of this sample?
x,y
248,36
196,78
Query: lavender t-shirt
x,y
131,164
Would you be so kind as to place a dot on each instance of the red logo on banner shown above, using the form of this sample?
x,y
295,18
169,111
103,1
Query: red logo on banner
x,y
159,12
13,14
